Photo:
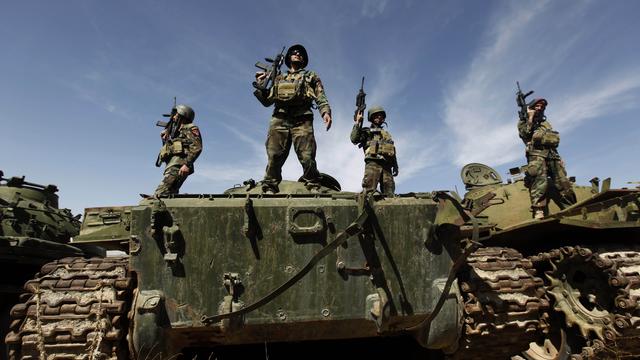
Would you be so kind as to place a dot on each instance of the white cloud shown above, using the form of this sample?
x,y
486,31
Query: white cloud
x,y
225,174
373,8
257,146
416,152
613,94
480,109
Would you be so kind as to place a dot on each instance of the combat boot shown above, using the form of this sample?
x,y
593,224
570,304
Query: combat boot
x,y
538,212
269,190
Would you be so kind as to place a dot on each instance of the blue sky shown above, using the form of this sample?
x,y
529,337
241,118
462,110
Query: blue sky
x,y
83,83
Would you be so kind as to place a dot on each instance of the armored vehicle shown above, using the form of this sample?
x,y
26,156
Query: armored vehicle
x,y
33,232
473,277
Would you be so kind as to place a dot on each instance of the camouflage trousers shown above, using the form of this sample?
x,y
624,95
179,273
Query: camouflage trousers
x,y
547,179
283,132
171,182
376,173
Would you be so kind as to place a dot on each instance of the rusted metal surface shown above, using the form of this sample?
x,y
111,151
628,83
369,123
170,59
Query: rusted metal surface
x,y
504,307
77,308
219,255
598,293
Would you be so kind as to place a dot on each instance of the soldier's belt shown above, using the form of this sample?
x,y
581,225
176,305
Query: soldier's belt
x,y
298,109
293,120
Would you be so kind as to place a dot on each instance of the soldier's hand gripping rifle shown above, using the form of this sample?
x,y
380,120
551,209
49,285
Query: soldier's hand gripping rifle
x,y
271,71
170,131
521,100
361,105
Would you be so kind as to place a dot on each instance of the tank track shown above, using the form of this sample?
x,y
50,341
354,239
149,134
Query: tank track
x,y
620,329
75,309
504,305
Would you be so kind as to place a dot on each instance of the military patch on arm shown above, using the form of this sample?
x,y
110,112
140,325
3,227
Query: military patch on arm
x,y
195,131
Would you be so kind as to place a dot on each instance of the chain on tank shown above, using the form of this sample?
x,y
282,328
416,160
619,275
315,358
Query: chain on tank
x,y
504,306
76,308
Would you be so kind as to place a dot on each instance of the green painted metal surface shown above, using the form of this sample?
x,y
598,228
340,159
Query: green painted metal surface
x,y
336,296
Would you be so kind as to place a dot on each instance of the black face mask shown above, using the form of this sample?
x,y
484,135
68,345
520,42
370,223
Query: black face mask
x,y
539,115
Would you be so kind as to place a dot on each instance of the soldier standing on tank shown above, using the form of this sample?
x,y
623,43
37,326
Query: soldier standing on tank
x,y
380,160
545,174
293,95
179,151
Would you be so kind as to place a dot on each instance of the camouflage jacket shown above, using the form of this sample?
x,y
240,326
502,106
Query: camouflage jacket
x,y
540,139
305,88
376,143
185,148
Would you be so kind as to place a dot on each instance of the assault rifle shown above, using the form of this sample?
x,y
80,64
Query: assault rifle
x,y
521,100
361,105
170,128
271,72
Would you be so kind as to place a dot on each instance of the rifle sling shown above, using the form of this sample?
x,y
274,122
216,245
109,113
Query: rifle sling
x,y
355,228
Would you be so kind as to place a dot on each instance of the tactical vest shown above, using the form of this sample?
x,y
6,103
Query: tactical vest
x,y
550,139
380,144
294,90
178,146
545,145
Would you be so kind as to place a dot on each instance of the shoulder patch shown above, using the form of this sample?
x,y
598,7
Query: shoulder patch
x,y
195,131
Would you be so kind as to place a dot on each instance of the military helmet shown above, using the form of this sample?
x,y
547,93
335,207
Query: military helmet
x,y
533,102
303,52
186,112
374,110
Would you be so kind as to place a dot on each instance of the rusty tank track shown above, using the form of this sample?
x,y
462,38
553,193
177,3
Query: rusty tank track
x,y
75,309
504,305
599,294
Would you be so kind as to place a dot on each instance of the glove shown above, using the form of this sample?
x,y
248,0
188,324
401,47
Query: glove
x,y
394,171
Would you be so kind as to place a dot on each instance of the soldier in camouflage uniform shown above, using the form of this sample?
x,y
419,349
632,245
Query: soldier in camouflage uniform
x,y
179,152
293,95
545,174
381,164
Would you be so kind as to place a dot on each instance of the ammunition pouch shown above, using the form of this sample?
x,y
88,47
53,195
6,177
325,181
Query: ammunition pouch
x,y
163,156
550,139
171,148
532,171
286,91
296,92
176,147
381,144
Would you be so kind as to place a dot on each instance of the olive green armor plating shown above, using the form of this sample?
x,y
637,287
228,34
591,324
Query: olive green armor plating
x,y
33,231
470,278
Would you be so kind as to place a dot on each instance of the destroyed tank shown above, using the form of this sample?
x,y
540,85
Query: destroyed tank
x,y
299,273
33,232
